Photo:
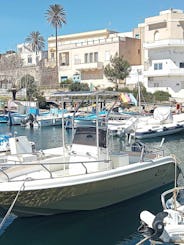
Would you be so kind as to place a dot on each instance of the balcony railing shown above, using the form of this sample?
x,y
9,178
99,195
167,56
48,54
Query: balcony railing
x,y
89,66
164,43
169,72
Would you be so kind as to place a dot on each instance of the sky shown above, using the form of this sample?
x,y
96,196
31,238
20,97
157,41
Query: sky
x,y
18,18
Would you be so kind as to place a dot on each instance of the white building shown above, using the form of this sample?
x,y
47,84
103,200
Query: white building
x,y
83,56
28,56
155,50
163,52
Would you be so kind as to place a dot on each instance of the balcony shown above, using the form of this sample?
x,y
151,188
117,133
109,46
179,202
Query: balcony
x,y
163,73
89,66
164,43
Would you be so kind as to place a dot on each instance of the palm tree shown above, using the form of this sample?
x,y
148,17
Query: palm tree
x,y
56,17
36,41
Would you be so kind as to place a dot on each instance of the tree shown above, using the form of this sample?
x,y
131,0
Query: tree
x,y
118,69
36,41
56,17
161,95
32,90
79,87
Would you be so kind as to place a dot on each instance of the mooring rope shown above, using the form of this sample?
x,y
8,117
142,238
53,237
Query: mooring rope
x,y
11,207
143,240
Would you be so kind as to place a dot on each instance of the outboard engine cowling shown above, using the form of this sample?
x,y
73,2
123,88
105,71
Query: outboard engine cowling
x,y
28,118
153,226
158,225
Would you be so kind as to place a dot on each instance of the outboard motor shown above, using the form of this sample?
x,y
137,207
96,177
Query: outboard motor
x,y
153,226
29,118
24,121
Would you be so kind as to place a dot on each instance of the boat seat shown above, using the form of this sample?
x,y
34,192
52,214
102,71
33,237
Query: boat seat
x,y
20,145
119,159
21,158
17,171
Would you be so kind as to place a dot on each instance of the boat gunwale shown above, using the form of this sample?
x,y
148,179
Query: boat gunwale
x,y
85,178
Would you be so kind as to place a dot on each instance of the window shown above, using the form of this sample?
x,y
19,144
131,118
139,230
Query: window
x,y
158,66
156,85
181,64
37,59
107,56
20,50
85,58
52,56
63,78
156,36
95,56
76,60
91,57
29,60
64,59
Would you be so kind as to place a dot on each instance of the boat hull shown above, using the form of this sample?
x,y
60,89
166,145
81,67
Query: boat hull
x,y
49,122
154,133
89,192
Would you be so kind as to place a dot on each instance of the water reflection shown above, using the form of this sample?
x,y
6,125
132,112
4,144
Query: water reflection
x,y
109,226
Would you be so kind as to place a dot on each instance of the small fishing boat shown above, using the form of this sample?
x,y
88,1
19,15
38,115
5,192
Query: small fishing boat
x,y
85,174
4,142
78,177
50,118
4,118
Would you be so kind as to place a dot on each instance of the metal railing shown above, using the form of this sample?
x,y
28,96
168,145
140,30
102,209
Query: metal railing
x,y
7,170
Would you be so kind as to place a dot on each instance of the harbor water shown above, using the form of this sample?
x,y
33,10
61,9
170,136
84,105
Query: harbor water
x,y
114,225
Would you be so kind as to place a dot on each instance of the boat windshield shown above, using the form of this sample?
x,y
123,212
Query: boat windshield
x,y
87,136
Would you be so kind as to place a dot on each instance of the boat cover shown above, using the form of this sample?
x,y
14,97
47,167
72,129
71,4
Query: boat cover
x,y
163,114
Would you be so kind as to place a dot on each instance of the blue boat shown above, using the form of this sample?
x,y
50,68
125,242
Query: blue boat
x,y
4,142
4,118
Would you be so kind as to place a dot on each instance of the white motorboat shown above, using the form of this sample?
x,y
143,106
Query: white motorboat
x,y
162,123
119,127
84,175
157,130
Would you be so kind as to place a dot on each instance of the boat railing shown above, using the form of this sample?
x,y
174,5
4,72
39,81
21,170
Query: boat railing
x,y
173,201
157,151
144,151
3,171
8,169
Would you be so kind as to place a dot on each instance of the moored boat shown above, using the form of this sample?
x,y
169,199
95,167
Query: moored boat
x,y
84,175
162,123
166,226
